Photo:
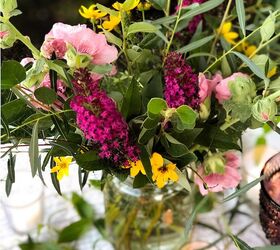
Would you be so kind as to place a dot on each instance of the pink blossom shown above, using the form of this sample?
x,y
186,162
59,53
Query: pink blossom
x,y
27,60
3,34
222,89
57,46
219,182
83,39
207,86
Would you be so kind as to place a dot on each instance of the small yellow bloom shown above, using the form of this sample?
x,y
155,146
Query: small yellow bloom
x,y
136,167
62,166
161,172
226,32
111,23
272,72
120,6
91,12
143,6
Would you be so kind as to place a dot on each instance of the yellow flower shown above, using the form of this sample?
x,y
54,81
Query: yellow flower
x,y
62,166
143,6
226,32
162,172
112,22
136,167
272,72
247,49
91,12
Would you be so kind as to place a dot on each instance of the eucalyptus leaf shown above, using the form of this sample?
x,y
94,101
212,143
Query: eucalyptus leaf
x,y
240,243
112,38
34,150
155,106
268,27
196,44
45,95
183,181
241,15
141,27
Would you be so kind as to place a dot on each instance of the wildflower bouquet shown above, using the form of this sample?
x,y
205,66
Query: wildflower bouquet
x,y
157,90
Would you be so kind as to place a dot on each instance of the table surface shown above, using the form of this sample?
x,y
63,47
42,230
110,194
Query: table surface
x,y
61,212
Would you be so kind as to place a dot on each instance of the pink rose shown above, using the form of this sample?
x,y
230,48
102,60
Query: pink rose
x,y
83,39
219,182
206,86
222,89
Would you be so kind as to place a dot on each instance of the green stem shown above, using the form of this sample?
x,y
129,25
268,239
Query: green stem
x,y
227,124
25,40
219,29
124,43
274,96
174,30
234,47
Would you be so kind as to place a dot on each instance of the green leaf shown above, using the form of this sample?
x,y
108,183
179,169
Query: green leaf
x,y
13,110
159,4
74,231
195,45
83,208
141,27
131,105
111,38
165,20
150,123
183,181
91,161
34,150
241,15
140,180
12,73
268,27
145,159
226,70
255,69
192,217
146,134
204,7
102,8
45,95
101,69
187,117
59,126
155,106
54,179
244,189
240,244
173,147
5,124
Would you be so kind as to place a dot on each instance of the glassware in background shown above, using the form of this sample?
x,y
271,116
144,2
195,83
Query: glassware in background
x,y
147,218
270,200
24,206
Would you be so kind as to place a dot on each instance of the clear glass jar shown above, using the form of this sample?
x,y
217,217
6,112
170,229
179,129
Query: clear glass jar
x,y
146,218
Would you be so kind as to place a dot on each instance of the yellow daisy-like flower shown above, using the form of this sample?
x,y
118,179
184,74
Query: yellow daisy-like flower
x,y
62,166
91,12
136,167
161,172
272,72
247,49
111,23
226,32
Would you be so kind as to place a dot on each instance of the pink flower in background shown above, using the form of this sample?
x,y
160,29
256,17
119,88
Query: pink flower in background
x,y
207,86
83,39
222,89
219,182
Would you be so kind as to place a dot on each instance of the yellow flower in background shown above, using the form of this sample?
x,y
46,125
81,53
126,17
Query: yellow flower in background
x,y
272,72
247,49
62,166
161,172
226,32
91,12
111,23
124,7
136,167
143,6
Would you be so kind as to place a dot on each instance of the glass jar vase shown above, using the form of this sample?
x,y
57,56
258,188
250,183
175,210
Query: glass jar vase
x,y
146,218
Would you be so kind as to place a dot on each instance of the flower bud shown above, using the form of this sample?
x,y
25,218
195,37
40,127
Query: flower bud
x,y
264,110
6,6
214,164
7,38
75,59
204,110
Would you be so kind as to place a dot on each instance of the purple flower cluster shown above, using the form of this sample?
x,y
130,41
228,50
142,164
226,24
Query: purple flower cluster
x,y
101,122
181,83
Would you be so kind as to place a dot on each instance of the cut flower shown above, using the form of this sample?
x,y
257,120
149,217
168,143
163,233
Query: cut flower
x,y
226,32
62,166
162,172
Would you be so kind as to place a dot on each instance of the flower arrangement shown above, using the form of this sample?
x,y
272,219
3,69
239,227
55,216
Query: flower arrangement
x,y
161,99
